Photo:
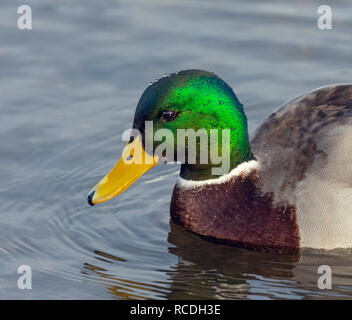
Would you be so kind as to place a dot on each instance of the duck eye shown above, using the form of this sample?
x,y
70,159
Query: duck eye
x,y
169,115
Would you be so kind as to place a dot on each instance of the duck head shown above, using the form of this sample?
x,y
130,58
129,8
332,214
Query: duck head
x,y
190,99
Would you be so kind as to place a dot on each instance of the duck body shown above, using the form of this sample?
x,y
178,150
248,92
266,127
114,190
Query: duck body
x,y
298,190
290,186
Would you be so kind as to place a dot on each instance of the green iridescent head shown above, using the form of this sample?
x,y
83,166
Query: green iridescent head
x,y
195,99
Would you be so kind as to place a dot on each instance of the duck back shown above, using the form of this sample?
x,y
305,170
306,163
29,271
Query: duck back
x,y
305,154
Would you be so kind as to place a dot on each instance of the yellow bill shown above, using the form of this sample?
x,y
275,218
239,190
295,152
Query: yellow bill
x,y
135,161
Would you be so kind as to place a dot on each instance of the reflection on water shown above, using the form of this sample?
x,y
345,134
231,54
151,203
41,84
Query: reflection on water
x,y
209,271
69,88
122,288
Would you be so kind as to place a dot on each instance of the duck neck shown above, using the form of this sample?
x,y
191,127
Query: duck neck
x,y
199,172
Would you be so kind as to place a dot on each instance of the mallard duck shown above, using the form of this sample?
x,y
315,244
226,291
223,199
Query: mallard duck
x,y
289,187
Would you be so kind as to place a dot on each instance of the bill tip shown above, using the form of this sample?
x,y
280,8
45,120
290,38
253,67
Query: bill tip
x,y
90,198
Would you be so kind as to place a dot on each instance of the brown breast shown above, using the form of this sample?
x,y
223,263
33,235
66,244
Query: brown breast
x,y
236,212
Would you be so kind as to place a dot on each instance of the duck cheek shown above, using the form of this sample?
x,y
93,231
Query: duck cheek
x,y
164,150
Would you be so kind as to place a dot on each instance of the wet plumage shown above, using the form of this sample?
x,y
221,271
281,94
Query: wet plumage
x,y
289,187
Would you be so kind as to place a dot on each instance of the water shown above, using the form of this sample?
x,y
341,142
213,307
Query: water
x,y
69,88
